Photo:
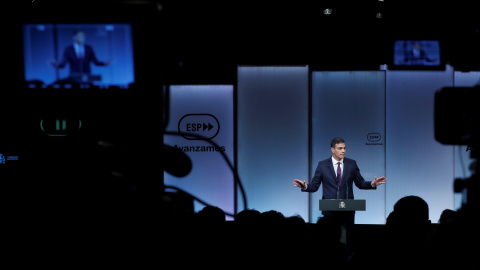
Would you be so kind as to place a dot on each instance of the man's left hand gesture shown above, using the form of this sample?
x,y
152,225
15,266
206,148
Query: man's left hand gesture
x,y
379,181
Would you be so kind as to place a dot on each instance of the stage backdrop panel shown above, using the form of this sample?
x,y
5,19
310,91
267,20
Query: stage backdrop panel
x,y
351,105
272,130
207,111
463,159
416,164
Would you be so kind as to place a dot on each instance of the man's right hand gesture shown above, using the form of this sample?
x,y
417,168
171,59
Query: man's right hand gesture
x,y
300,184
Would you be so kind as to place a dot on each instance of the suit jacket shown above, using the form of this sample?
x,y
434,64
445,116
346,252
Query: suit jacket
x,y
417,60
78,65
325,174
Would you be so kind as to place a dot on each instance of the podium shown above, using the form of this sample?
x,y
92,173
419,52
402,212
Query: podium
x,y
84,78
342,205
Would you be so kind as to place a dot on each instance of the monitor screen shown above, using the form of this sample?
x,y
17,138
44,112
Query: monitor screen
x,y
61,54
417,54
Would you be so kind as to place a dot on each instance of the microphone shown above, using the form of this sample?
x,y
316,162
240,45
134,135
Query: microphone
x,y
347,190
338,188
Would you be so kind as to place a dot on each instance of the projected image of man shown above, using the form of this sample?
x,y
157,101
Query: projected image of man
x,y
417,55
79,55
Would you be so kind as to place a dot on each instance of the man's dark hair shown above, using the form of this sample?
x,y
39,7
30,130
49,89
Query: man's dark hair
x,y
335,141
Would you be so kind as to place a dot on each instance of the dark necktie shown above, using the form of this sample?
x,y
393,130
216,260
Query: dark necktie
x,y
81,59
339,173
80,52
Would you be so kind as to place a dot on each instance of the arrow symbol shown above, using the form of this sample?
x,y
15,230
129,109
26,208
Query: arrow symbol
x,y
205,126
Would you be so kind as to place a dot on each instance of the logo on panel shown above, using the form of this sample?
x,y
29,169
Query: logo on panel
x,y
199,126
374,138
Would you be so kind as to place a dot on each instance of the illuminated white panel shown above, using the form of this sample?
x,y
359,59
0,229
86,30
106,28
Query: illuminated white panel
x,y
207,111
416,163
273,137
351,105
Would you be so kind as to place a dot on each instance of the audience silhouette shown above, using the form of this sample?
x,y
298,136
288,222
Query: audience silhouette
x,y
408,240
404,241
455,244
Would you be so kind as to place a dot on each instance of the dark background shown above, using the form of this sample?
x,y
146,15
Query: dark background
x,y
176,42
201,42
204,41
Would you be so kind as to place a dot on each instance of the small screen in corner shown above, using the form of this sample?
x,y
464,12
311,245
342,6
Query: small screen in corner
x,y
421,53
66,54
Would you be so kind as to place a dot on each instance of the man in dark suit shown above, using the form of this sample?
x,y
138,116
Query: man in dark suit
x,y
417,56
337,174
79,56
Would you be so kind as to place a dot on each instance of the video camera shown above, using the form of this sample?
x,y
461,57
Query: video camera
x,y
457,122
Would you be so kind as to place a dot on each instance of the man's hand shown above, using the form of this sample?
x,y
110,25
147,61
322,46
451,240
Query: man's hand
x,y
300,184
379,181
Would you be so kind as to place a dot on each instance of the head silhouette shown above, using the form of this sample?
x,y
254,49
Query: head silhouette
x,y
410,216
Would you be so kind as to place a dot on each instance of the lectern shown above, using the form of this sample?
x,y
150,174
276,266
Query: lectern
x,y
342,205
